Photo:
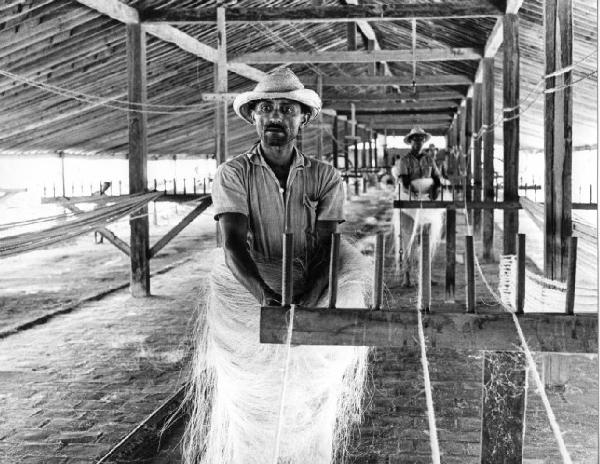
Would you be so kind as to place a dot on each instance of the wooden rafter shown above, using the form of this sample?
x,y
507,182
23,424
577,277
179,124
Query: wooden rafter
x,y
404,80
329,14
343,56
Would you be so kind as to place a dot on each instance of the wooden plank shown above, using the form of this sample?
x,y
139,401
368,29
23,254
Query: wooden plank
x,y
422,54
558,144
115,9
447,326
221,87
571,276
467,146
458,204
401,80
138,164
334,141
521,257
329,14
187,220
470,273
450,253
503,412
397,118
487,102
402,98
477,167
511,83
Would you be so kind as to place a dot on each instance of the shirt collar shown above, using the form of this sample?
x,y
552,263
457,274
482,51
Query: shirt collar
x,y
255,156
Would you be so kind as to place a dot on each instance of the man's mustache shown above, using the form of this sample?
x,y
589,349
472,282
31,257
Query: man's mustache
x,y
274,126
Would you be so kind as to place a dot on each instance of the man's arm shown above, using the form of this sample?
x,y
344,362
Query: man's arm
x,y
234,229
318,267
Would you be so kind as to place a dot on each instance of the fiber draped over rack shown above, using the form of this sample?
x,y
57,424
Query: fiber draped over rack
x,y
237,382
74,224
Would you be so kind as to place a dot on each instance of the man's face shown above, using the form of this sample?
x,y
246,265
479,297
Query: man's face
x,y
416,142
278,121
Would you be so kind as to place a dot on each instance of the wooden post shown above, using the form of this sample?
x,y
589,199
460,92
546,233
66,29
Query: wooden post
x,y
571,274
376,155
346,149
320,120
467,145
221,87
511,82
334,143
138,165
356,186
477,157
333,269
487,102
386,161
378,277
558,143
425,271
503,412
287,271
470,268
450,253
520,303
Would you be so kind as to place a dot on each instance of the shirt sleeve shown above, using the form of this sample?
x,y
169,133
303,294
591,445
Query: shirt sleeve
x,y
331,201
229,191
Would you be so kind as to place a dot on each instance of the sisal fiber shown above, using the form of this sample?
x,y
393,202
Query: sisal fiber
x,y
237,382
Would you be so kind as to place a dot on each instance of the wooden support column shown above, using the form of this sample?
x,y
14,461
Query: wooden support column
x,y
450,253
221,87
375,151
462,145
370,148
372,67
320,120
467,145
477,168
511,83
334,143
504,401
138,163
346,148
558,143
487,102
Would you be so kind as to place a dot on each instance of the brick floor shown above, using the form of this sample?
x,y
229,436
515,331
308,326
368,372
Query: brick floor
x,y
70,389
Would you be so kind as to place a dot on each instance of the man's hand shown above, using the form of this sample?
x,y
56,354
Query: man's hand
x,y
271,298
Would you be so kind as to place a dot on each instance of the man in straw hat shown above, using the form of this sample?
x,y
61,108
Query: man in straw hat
x,y
418,172
240,413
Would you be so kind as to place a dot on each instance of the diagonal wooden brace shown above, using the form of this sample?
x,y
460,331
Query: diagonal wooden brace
x,y
197,211
103,231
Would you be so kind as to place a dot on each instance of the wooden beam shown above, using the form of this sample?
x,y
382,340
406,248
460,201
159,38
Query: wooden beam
x,y
115,9
422,54
220,70
447,326
138,164
126,14
503,411
450,253
163,241
460,204
410,107
487,101
477,166
511,84
328,14
351,33
418,118
404,98
403,80
558,143
409,126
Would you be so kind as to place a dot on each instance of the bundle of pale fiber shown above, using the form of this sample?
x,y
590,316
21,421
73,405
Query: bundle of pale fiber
x,y
237,382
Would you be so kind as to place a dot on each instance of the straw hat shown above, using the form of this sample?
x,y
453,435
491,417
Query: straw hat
x,y
416,131
281,83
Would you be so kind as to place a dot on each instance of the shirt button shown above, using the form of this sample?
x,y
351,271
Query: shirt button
x,y
281,190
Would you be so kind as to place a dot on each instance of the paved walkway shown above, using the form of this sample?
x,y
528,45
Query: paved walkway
x,y
70,389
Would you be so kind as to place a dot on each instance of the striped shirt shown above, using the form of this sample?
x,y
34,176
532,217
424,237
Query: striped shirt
x,y
247,185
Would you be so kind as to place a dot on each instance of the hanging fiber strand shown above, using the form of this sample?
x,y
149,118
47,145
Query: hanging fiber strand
x,y
236,383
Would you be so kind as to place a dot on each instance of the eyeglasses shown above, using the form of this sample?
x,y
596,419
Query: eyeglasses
x,y
285,108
